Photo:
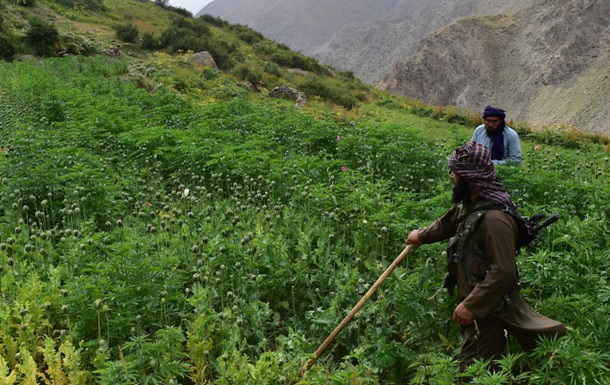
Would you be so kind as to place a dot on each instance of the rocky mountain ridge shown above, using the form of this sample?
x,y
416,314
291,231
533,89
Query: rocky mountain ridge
x,y
544,61
548,65
356,35
302,25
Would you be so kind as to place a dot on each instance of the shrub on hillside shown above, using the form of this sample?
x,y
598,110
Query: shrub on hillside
x,y
281,55
215,21
184,34
174,41
127,32
349,75
93,5
271,81
247,34
223,53
250,37
293,59
265,47
283,47
180,11
246,73
65,3
150,41
7,48
328,91
194,25
78,45
273,69
26,3
43,37
193,35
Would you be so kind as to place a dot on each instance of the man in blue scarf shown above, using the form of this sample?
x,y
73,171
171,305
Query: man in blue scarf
x,y
502,140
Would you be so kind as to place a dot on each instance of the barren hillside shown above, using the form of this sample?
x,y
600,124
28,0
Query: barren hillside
x,y
371,48
302,25
547,65
365,37
545,61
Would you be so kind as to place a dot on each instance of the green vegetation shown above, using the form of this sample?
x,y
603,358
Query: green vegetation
x,y
161,223
42,37
127,33
91,5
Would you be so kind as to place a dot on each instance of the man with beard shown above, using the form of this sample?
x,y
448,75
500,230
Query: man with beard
x,y
483,234
502,140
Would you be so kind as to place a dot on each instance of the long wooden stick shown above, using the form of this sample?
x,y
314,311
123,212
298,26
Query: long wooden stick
x,y
355,310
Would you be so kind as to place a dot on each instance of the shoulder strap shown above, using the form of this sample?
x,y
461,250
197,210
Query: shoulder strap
x,y
472,220
470,224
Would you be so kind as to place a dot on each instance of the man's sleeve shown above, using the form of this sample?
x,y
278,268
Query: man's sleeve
x,y
441,229
513,148
476,135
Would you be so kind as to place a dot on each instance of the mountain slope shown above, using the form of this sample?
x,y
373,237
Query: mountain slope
x,y
545,61
302,25
546,65
367,39
371,48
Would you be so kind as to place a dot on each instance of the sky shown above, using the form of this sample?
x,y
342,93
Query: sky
x,y
190,5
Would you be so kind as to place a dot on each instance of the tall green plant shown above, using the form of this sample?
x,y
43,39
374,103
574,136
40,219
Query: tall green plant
x,y
150,236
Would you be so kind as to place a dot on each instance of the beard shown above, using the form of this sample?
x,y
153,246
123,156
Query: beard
x,y
461,191
492,131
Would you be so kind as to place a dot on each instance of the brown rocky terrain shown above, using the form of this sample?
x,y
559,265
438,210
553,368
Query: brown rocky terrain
x,y
361,36
547,65
544,61
370,48
302,25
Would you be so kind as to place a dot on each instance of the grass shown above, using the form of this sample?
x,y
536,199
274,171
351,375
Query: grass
x,y
161,223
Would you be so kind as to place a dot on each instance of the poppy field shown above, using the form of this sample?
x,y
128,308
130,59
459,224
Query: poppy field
x,y
149,236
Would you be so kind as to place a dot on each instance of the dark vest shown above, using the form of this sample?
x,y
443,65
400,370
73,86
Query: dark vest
x,y
462,249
